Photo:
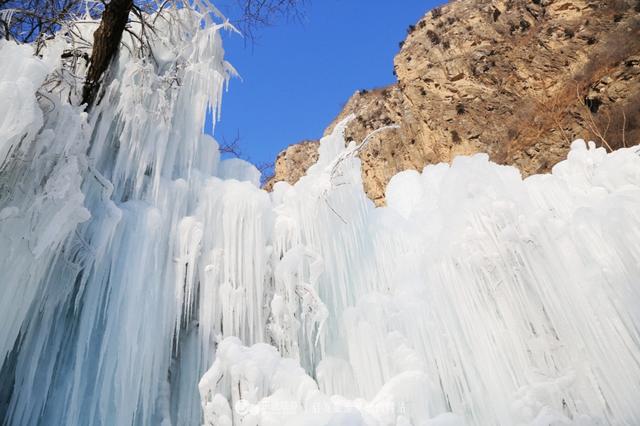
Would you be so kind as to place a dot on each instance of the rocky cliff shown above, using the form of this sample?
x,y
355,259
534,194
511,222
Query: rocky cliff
x,y
517,79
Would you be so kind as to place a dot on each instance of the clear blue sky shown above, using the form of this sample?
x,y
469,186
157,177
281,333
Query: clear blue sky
x,y
297,75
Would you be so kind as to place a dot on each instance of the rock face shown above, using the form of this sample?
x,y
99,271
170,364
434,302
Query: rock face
x,y
292,163
517,79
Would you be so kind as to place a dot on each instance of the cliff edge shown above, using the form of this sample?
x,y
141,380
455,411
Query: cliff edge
x,y
517,79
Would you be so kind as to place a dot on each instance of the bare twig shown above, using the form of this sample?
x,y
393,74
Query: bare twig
x,y
624,125
334,210
355,151
232,147
592,124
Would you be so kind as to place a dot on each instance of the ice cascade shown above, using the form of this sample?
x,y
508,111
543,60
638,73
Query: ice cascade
x,y
143,280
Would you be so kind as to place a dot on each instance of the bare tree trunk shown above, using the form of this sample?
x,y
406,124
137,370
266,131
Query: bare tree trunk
x,y
106,41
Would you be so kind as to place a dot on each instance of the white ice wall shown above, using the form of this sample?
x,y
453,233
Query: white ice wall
x,y
473,293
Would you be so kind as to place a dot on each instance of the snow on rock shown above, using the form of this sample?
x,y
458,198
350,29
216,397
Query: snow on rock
x,y
145,281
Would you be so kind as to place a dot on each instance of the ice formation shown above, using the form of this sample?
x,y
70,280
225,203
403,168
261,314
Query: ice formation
x,y
145,281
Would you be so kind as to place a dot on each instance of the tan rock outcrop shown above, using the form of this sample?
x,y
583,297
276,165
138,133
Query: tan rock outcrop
x,y
292,163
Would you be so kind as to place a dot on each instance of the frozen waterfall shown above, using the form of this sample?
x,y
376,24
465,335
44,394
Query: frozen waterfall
x,y
145,281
